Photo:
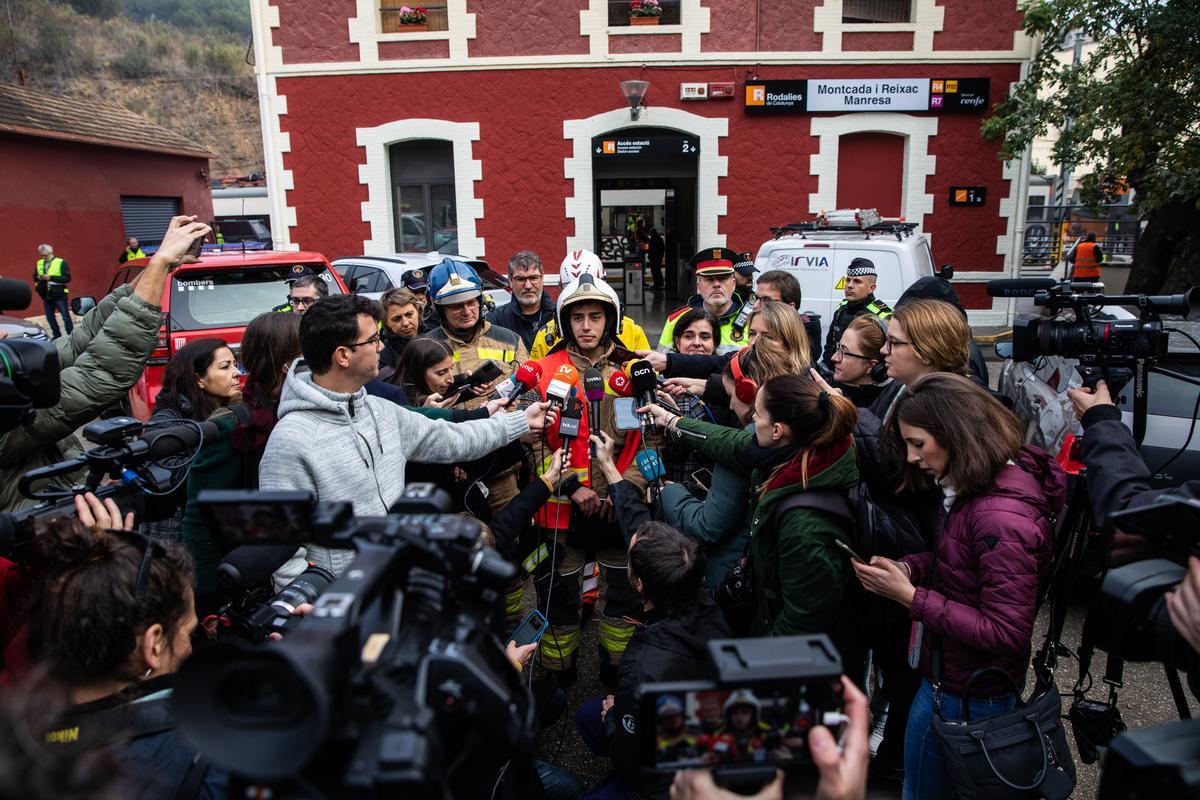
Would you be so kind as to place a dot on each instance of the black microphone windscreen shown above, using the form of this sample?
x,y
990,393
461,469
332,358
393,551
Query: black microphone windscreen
x,y
593,384
174,440
250,567
1019,287
642,376
14,295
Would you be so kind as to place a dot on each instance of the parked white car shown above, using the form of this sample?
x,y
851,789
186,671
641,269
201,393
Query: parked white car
x,y
371,276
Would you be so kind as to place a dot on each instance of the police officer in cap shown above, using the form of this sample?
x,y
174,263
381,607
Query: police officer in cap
x,y
417,282
715,292
305,287
743,273
861,278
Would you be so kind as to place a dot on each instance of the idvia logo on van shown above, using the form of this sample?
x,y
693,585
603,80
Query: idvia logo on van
x,y
786,261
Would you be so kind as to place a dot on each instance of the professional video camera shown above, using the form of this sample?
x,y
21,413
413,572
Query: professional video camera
x,y
393,683
788,685
138,458
29,372
1110,349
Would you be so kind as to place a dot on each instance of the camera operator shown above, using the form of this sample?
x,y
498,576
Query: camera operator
x,y
112,622
1117,477
100,360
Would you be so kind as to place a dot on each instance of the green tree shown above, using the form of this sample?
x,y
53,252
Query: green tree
x,y
1135,106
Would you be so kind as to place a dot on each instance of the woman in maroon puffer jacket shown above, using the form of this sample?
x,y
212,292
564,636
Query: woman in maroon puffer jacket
x,y
978,592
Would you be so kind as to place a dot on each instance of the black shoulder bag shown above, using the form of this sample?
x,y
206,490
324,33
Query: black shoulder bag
x,y
1021,753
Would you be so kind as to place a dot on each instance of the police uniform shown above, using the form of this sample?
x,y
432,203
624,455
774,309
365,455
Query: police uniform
x,y
714,262
847,311
296,272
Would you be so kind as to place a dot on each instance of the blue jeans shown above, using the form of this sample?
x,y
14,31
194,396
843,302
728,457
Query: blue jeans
x,y
924,769
61,306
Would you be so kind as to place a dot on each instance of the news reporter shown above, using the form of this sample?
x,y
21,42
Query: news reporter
x,y
426,373
100,360
976,594
801,440
112,624
855,358
697,333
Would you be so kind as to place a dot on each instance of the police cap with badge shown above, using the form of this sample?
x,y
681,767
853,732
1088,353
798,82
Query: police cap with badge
x,y
714,262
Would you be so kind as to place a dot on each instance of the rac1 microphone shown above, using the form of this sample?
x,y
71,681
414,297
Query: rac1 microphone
x,y
559,390
651,466
525,378
619,383
1019,287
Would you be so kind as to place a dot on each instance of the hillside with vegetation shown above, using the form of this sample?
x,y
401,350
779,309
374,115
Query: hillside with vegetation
x,y
183,64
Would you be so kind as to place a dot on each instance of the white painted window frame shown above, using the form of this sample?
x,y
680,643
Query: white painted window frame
x,y
375,174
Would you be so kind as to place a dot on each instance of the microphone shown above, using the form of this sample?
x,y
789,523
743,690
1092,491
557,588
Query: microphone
x,y
593,388
250,567
525,378
619,383
644,380
14,295
559,390
651,466
568,422
175,439
1019,287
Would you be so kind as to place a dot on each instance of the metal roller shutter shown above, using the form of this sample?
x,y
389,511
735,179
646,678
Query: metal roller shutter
x,y
147,218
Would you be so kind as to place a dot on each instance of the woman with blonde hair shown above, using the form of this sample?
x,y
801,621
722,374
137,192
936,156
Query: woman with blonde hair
x,y
785,349
402,312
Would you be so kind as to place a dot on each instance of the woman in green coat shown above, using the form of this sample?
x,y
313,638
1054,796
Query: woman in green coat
x,y
801,441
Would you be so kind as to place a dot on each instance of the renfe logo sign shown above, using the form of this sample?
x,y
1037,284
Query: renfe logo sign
x,y
841,95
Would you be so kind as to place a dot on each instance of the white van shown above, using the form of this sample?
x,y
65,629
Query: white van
x,y
818,252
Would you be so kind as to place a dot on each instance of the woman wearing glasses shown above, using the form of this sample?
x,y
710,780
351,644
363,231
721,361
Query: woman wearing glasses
x,y
111,622
857,359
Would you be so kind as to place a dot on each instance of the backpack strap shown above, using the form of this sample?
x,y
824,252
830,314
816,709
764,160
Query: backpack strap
x,y
193,779
830,501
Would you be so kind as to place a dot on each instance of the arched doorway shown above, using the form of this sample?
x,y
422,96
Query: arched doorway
x,y
870,172
644,180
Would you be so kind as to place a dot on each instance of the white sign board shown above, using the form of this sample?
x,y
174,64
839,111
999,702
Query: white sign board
x,y
869,94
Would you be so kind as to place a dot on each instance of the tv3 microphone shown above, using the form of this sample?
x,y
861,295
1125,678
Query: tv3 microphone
x,y
559,390
525,378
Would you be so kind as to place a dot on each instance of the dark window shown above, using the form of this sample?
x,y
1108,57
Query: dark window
x,y
227,298
435,16
370,279
147,218
425,216
886,11
619,12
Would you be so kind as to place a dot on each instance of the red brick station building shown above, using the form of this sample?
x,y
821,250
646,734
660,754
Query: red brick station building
x,y
503,123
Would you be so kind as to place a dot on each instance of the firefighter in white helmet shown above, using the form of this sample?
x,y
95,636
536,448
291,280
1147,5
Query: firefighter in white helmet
x,y
576,263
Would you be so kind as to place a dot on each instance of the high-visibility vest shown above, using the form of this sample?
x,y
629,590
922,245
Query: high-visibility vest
x,y
1087,261
135,253
55,271
556,513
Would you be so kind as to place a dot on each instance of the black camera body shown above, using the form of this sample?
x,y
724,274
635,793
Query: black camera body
x,y
393,675
770,693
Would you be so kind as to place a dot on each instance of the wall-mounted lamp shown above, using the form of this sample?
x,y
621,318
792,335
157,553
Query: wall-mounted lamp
x,y
635,93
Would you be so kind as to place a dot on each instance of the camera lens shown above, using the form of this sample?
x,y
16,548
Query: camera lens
x,y
306,588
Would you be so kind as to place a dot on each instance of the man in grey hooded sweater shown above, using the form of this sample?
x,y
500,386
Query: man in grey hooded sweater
x,y
341,444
